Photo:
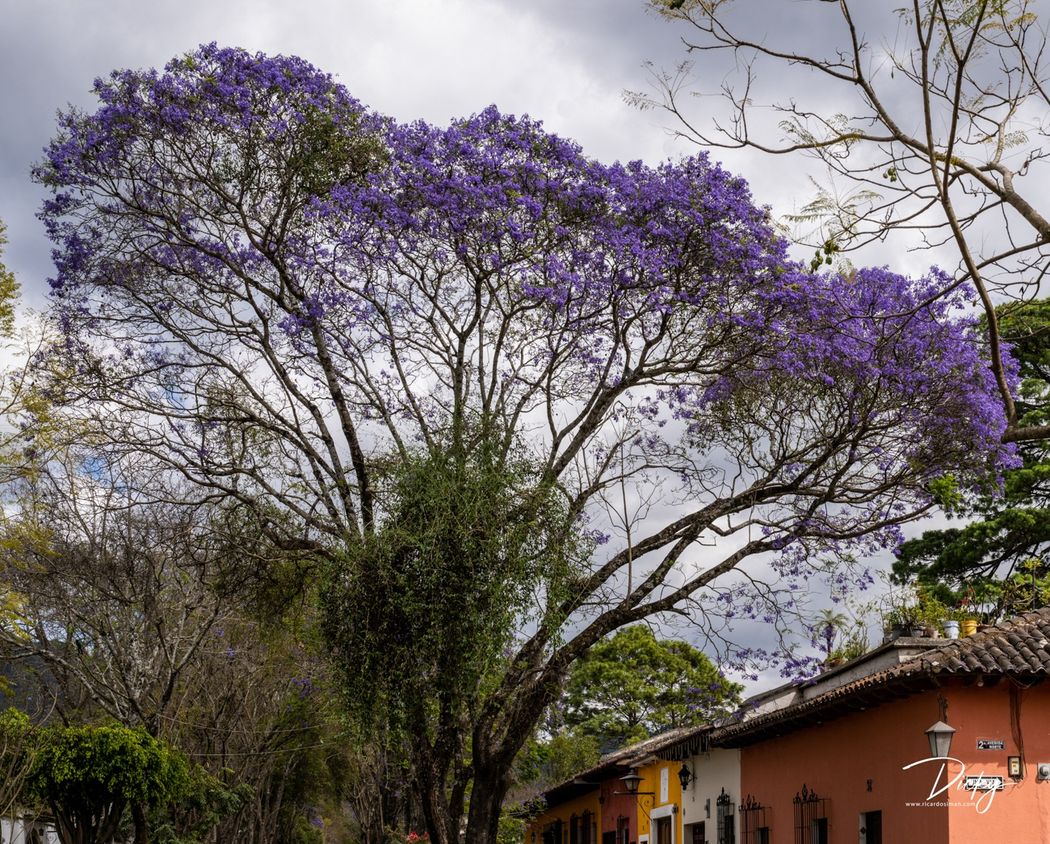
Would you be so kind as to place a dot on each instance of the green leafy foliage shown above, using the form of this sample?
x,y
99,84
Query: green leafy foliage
x,y
511,829
998,560
16,759
205,801
543,763
634,685
420,613
8,290
89,775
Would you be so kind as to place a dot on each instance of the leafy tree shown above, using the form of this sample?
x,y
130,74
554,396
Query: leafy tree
x,y
147,611
341,322
938,136
551,759
998,559
633,685
8,290
89,776
16,760
201,809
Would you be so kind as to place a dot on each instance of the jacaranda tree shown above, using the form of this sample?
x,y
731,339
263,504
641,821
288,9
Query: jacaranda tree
x,y
998,559
612,377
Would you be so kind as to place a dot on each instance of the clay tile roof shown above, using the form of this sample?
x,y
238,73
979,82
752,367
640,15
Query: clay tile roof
x,y
1019,647
616,763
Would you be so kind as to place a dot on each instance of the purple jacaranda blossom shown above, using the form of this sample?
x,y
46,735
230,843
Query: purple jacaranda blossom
x,y
278,293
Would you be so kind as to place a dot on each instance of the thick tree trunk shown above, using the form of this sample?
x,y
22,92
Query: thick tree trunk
x,y
486,802
441,825
444,822
138,815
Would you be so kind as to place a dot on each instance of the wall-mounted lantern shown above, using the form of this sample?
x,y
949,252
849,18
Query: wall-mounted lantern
x,y
631,782
685,776
940,737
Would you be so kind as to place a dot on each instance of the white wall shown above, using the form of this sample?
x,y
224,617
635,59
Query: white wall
x,y
714,771
16,831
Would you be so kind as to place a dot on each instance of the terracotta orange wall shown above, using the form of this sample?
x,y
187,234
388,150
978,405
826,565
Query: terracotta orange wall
x,y
615,804
1021,811
836,759
564,811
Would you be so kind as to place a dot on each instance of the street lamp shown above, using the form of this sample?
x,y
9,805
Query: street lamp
x,y
630,782
685,776
940,737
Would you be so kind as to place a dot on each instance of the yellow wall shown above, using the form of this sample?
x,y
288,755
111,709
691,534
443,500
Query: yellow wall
x,y
650,805
564,811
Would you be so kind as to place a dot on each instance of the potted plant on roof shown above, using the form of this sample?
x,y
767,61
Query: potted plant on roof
x,y
902,616
893,624
932,613
951,624
904,620
916,623
854,646
967,613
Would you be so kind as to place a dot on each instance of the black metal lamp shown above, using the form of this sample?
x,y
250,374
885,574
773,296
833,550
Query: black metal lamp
x,y
630,782
685,776
940,737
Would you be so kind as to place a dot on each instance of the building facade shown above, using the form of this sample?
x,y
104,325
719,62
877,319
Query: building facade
x,y
933,741
854,762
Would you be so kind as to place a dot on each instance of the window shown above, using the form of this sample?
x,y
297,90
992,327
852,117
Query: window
x,y
811,818
586,822
698,834
871,827
754,823
726,819
574,830
623,830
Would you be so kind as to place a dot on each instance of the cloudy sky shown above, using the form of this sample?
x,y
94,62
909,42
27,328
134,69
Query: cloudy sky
x,y
566,62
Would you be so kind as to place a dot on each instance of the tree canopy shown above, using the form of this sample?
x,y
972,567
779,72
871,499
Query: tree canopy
x,y
997,560
293,302
89,776
634,685
8,290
